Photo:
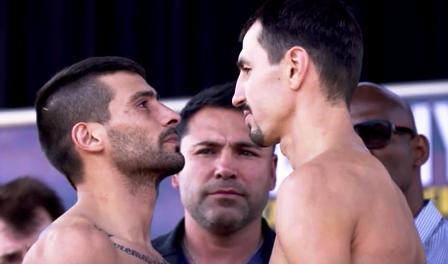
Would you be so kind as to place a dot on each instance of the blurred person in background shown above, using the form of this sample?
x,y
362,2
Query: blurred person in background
x,y
386,124
224,186
102,125
27,206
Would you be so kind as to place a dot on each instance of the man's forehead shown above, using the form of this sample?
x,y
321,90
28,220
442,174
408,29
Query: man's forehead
x,y
209,134
369,109
128,88
377,105
124,80
213,135
217,124
370,102
253,32
251,38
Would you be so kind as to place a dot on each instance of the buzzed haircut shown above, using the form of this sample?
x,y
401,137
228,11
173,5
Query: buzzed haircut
x,y
325,29
219,96
75,95
20,198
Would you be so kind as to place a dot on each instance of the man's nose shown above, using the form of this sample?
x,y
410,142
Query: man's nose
x,y
169,116
239,98
224,167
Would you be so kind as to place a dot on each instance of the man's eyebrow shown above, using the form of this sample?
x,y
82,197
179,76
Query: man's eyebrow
x,y
246,145
140,94
240,63
207,143
239,144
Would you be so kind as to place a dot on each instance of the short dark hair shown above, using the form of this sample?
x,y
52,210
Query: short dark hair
x,y
75,95
325,29
20,198
216,96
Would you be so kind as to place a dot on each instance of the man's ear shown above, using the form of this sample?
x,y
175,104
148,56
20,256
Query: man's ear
x,y
297,59
420,150
87,136
175,181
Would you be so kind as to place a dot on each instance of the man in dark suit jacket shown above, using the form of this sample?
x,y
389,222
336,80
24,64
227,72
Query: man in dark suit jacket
x,y
224,186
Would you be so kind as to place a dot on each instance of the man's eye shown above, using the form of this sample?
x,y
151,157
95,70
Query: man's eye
x,y
205,151
143,104
245,69
248,153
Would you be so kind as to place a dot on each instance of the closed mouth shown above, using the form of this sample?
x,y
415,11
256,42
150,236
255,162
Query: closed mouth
x,y
172,138
226,192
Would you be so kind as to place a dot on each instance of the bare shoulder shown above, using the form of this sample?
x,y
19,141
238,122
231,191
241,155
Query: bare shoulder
x,y
319,177
305,201
343,173
319,190
328,183
72,240
333,208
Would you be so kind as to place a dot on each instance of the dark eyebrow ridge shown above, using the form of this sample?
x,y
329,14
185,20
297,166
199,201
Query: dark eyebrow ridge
x,y
240,63
236,144
146,93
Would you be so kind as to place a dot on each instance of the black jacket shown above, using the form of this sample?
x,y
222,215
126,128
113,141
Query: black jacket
x,y
169,245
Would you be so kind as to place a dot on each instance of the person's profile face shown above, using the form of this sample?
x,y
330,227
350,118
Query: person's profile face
x,y
396,155
141,130
260,89
226,178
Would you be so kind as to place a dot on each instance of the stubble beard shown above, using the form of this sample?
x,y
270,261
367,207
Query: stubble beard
x,y
258,137
217,220
221,216
142,162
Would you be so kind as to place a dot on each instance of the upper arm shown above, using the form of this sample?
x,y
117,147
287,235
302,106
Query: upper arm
x,y
314,221
71,245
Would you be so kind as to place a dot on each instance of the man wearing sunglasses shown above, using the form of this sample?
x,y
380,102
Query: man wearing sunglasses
x,y
386,124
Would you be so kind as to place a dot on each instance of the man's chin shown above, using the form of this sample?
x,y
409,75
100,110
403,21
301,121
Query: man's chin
x,y
171,147
260,139
176,163
257,138
226,222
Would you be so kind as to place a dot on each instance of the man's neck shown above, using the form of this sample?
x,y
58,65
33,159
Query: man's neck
x,y
203,246
316,130
414,196
120,212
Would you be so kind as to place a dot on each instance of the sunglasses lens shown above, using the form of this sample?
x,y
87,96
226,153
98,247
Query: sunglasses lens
x,y
375,134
